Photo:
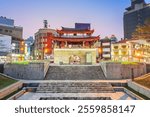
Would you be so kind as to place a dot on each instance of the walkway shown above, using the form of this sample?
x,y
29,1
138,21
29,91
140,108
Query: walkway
x,y
37,96
49,81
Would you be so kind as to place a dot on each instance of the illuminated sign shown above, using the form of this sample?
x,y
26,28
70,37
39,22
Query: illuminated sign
x,y
5,43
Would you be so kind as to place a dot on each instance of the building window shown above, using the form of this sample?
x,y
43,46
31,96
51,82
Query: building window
x,y
1,30
115,47
75,34
6,30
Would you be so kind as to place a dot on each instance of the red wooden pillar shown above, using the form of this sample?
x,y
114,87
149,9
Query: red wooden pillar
x,y
62,44
86,44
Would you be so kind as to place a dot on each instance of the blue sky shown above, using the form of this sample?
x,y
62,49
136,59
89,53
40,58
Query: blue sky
x,y
105,16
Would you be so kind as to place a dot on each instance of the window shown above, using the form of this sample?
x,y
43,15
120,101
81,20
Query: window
x,y
6,30
75,34
1,30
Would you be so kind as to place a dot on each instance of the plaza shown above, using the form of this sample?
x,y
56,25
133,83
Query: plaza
x,y
75,82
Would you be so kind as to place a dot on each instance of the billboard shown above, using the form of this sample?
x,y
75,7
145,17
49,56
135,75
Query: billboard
x,y
5,43
86,26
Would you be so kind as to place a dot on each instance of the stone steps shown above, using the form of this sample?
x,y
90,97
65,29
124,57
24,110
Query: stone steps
x,y
76,79
75,73
75,87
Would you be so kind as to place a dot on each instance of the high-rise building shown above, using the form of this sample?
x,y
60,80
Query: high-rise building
x,y
135,15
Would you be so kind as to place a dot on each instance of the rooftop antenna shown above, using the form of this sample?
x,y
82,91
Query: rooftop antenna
x,y
45,24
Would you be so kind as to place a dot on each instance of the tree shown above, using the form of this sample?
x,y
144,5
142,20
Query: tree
x,y
142,32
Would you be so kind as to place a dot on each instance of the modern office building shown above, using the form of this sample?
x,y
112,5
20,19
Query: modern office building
x,y
11,49
135,15
7,28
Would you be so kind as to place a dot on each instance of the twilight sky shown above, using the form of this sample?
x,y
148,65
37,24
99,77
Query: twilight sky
x,y
105,16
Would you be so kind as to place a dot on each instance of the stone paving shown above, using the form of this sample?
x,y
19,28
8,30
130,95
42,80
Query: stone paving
x,y
46,85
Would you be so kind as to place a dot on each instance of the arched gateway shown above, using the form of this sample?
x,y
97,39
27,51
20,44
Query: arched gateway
x,y
74,59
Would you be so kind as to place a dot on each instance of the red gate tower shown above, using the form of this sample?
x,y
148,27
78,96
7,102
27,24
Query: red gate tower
x,y
77,42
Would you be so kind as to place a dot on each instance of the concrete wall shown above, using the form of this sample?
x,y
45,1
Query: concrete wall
x,y
10,89
63,55
32,71
139,88
116,71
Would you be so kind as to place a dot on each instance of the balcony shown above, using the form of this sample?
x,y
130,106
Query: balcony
x,y
115,47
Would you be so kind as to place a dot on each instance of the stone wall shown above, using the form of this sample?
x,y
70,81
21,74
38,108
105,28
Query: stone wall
x,y
116,71
63,55
32,71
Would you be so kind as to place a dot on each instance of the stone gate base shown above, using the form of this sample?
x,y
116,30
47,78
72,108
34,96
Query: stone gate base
x,y
85,56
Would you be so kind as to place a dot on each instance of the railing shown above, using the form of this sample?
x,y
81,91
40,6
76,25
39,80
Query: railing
x,y
46,67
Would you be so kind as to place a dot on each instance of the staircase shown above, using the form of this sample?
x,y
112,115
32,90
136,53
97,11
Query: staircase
x,y
74,81
75,73
75,87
